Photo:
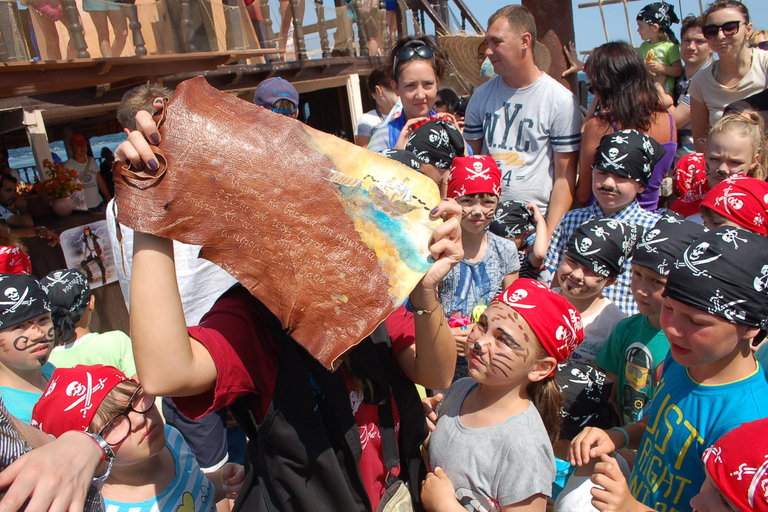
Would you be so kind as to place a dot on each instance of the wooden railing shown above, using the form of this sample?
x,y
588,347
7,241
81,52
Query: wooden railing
x,y
185,26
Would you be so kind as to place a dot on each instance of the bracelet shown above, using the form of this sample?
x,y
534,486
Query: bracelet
x,y
37,230
417,311
626,437
106,454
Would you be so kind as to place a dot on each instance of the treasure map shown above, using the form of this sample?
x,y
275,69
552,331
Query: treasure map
x,y
329,236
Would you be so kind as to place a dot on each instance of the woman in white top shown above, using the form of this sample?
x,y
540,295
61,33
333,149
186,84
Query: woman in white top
x,y
740,71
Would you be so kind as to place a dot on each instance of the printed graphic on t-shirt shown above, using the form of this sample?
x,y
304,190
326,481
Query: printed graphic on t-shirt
x,y
638,385
475,502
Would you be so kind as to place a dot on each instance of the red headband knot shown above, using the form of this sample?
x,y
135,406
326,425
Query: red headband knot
x,y
474,175
554,320
14,261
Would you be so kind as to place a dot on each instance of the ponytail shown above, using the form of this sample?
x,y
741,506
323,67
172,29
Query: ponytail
x,y
547,398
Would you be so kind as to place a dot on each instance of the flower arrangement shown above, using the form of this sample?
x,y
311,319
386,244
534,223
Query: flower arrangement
x,y
61,182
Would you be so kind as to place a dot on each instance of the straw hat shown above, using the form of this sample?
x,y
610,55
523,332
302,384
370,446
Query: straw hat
x,y
464,52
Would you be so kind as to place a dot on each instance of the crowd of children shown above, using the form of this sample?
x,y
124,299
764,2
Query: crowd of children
x,y
610,360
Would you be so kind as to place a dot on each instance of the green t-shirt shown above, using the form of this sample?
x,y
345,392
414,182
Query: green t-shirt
x,y
665,52
633,352
111,348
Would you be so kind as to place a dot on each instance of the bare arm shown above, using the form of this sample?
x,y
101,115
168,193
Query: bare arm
x,y
476,145
432,359
103,187
169,362
681,114
562,192
699,124
22,220
541,241
509,279
594,129
362,140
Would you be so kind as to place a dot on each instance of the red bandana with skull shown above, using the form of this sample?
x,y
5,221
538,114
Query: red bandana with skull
x,y
73,396
738,464
743,200
474,175
554,320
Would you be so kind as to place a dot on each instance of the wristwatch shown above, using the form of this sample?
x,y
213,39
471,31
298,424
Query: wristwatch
x,y
106,454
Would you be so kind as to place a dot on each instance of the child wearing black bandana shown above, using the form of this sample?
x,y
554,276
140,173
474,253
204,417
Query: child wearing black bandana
x,y
660,49
715,302
26,341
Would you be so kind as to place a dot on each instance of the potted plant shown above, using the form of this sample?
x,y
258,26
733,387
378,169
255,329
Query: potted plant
x,y
58,187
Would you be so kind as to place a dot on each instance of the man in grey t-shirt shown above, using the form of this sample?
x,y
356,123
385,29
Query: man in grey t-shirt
x,y
526,120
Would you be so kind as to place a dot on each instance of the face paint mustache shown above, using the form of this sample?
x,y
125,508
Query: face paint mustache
x,y
608,190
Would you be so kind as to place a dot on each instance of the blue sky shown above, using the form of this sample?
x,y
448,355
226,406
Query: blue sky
x,y
589,28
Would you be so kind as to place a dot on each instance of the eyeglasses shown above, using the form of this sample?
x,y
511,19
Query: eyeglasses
x,y
410,49
118,428
729,28
762,45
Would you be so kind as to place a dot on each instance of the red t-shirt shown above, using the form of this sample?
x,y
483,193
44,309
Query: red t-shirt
x,y
246,357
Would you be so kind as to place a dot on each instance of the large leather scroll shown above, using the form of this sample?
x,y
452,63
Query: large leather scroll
x,y
329,236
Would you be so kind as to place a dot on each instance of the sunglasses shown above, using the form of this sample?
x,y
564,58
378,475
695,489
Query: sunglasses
x,y
761,46
729,28
410,49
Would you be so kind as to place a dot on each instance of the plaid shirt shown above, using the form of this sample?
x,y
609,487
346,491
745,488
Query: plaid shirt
x,y
620,293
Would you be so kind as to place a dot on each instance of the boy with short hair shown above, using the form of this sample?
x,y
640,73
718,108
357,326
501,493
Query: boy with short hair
x,y
26,341
517,221
715,302
637,346
622,167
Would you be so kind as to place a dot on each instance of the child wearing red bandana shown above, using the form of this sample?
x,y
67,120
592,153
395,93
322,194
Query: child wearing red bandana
x,y
490,262
739,201
492,444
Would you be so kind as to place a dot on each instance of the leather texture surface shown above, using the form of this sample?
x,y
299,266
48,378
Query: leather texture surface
x,y
329,236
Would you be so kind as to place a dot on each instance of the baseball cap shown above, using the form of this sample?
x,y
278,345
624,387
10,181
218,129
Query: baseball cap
x,y
273,89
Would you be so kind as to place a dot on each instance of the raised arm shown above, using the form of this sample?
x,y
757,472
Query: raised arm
x,y
432,360
562,191
169,362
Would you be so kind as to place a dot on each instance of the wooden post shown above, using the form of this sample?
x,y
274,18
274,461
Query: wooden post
x,y
325,45
402,22
72,21
38,139
269,35
14,48
185,11
361,32
132,14
554,24
298,32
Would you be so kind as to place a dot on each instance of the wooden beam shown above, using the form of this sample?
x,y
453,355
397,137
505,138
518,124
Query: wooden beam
x,y
604,2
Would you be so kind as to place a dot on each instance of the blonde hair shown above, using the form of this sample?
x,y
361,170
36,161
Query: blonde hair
x,y
747,123
754,35
113,404
546,395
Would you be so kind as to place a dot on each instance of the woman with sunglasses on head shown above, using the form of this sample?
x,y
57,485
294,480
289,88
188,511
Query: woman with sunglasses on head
x,y
417,65
151,467
740,71
628,99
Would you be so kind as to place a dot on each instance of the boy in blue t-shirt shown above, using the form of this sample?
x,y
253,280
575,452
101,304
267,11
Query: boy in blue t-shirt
x,y
715,302
26,341
632,356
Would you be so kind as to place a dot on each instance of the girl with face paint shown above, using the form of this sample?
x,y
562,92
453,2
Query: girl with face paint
x,y
508,410
490,262
26,341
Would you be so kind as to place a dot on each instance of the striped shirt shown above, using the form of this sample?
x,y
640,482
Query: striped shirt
x,y
189,490
620,293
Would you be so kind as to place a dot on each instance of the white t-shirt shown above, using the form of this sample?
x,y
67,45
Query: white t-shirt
x,y
87,173
200,282
597,328
705,89
520,129
368,122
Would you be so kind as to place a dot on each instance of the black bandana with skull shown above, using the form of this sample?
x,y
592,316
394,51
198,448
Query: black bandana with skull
x,y
629,154
404,157
512,218
662,14
436,143
724,272
603,245
69,294
665,242
22,299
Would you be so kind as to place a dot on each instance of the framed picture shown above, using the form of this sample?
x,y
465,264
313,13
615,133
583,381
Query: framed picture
x,y
87,249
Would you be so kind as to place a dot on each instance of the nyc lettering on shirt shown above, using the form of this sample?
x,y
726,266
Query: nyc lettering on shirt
x,y
522,144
